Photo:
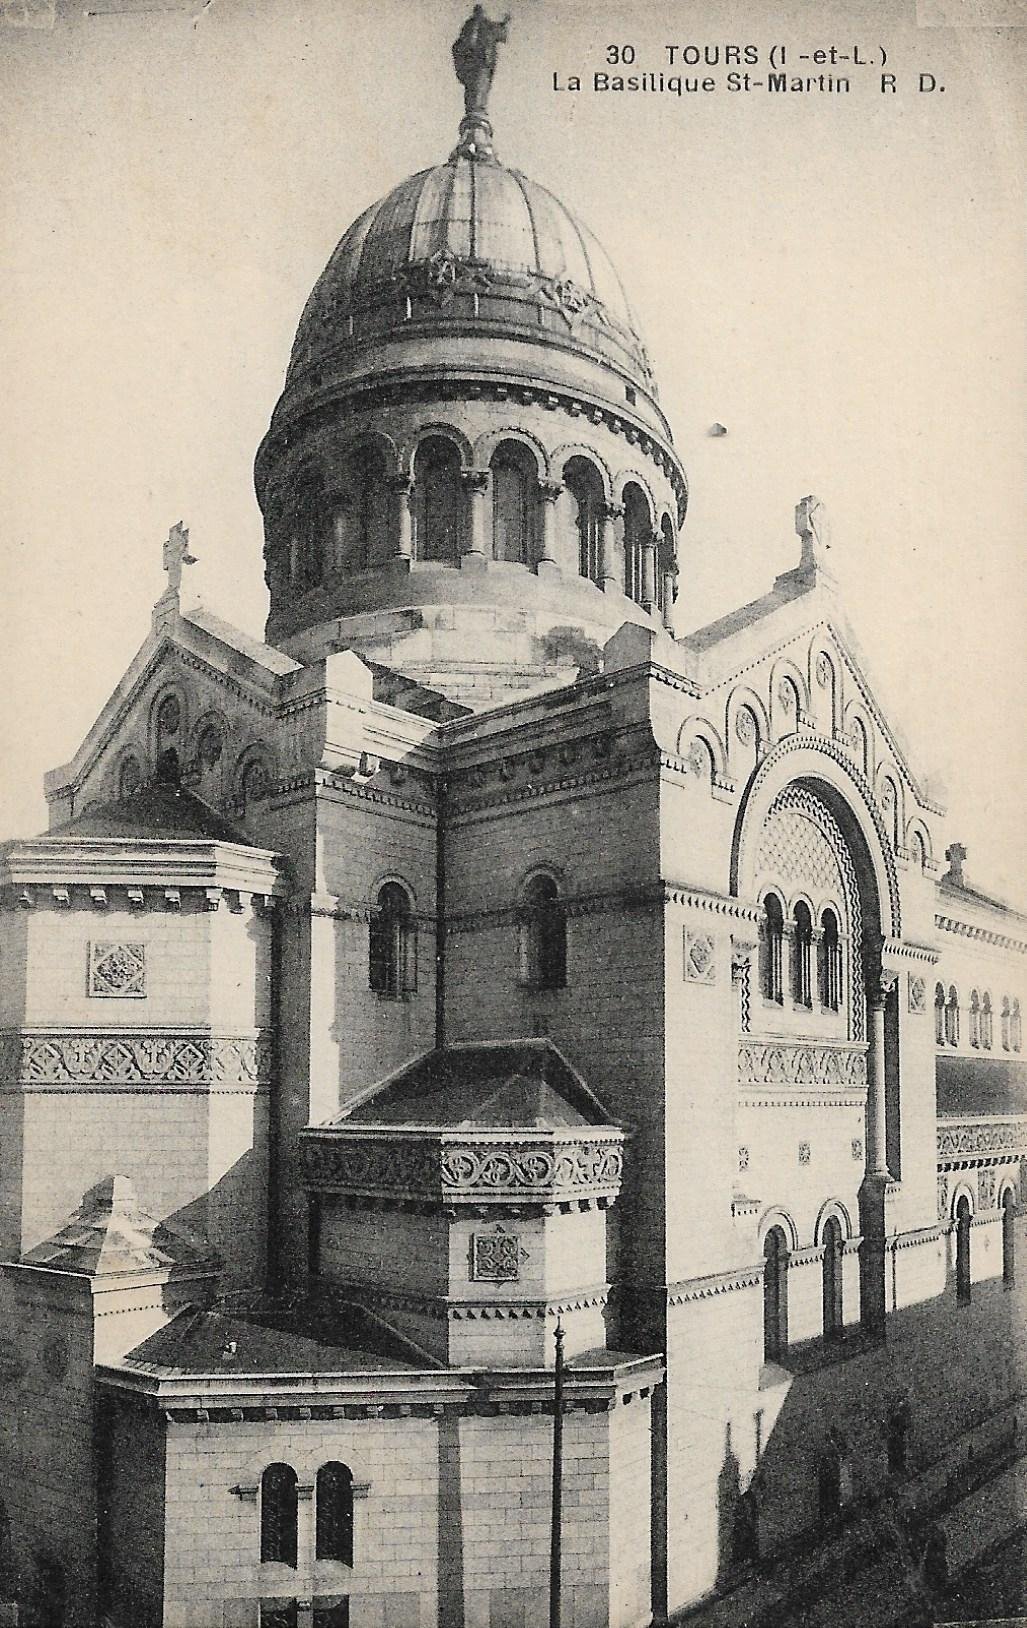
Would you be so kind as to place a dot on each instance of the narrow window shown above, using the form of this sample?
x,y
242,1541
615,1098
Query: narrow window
x,y
437,502
392,960
638,533
130,778
898,1439
334,1513
963,1220
514,498
802,956
830,962
1008,1238
586,496
939,1014
1015,1029
775,1295
952,1017
1004,1020
772,945
861,744
975,1018
278,1514
987,1032
543,936
832,1284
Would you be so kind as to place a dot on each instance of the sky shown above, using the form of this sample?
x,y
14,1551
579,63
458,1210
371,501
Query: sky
x,y
836,279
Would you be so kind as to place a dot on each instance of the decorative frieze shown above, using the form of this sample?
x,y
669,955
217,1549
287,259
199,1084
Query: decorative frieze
x,y
798,1063
464,1168
136,1060
970,1139
117,969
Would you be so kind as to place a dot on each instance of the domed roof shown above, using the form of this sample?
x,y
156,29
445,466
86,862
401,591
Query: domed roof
x,y
471,240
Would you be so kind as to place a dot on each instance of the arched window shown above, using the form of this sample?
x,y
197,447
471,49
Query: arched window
x,y
278,1504
975,1018
255,783
437,505
861,745
830,962
952,1017
514,502
334,1513
939,1014
307,529
832,1285
1004,1021
1008,1238
392,967
772,948
775,1295
542,936
585,493
898,1439
210,746
802,955
1015,1027
963,1223
918,850
638,532
987,1033
130,778
359,512
169,770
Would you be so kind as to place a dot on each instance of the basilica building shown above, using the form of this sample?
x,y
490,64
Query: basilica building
x,y
475,957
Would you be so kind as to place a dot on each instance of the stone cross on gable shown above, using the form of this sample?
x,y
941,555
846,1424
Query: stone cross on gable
x,y
176,554
811,526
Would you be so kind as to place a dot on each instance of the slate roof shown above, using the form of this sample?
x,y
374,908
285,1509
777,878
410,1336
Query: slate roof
x,y
980,1085
516,1083
155,810
110,1235
270,1336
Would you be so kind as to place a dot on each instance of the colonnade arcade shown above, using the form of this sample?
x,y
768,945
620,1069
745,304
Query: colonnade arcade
x,y
363,512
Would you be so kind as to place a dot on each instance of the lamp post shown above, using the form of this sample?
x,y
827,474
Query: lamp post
x,y
554,1543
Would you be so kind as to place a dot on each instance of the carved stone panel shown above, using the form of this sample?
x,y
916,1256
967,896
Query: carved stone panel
x,y
117,969
700,959
495,1257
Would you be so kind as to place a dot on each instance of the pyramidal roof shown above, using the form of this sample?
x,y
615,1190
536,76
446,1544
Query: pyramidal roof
x,y
110,1235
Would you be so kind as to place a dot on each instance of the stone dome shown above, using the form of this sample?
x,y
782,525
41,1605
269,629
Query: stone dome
x,y
470,243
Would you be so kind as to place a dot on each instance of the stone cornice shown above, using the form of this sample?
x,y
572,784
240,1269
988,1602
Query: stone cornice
x,y
689,1289
53,870
897,949
464,1168
966,929
442,1308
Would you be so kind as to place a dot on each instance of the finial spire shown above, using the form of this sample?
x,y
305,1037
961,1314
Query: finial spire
x,y
475,51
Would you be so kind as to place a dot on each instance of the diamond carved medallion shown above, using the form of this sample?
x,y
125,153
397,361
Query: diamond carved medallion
x,y
117,969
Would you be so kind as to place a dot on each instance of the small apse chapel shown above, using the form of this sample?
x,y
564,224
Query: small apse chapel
x,y
475,954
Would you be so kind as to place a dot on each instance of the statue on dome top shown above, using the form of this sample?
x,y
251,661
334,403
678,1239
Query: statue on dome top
x,y
475,50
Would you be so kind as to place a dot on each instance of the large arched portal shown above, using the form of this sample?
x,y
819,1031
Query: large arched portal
x,y
810,853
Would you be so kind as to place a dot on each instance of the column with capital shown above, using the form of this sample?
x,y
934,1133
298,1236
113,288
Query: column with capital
x,y
402,488
650,554
670,577
609,515
549,492
880,981
476,484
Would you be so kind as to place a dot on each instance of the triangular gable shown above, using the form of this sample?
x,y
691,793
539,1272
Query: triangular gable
x,y
234,665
